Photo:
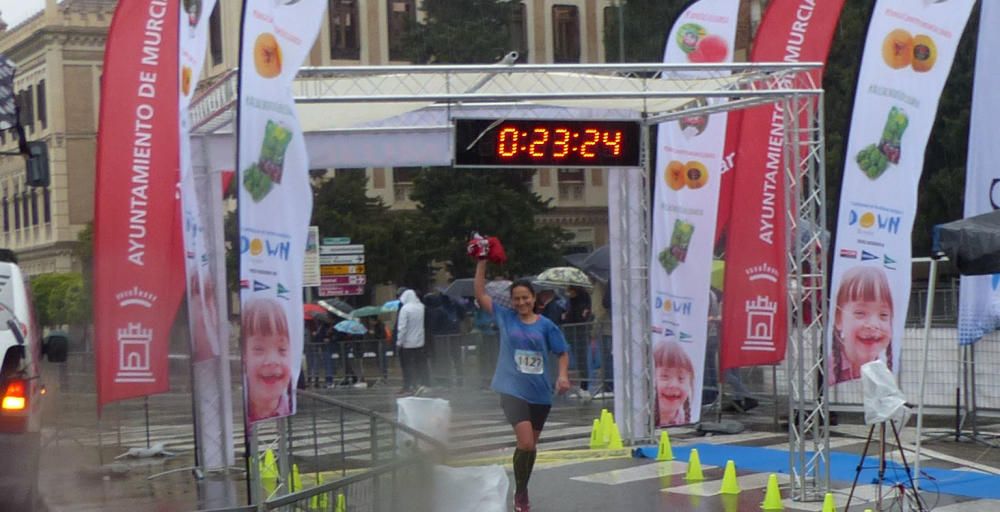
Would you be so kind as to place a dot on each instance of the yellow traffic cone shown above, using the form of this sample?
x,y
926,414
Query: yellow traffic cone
x,y
772,500
341,503
694,473
664,451
269,472
296,483
596,437
828,504
607,419
729,484
320,501
615,443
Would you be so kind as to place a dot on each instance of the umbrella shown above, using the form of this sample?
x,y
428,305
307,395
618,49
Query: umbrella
x,y
596,264
718,274
972,243
350,327
392,305
460,288
312,311
564,276
337,307
499,292
367,311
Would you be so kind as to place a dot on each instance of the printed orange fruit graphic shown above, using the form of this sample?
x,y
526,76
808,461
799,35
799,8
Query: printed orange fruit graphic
x,y
924,53
186,80
696,174
675,175
267,55
897,49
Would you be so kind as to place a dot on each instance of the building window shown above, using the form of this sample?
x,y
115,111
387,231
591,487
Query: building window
x,y
571,184
519,31
612,53
46,206
402,182
344,29
215,34
6,219
17,213
401,14
25,208
34,208
42,110
25,110
565,33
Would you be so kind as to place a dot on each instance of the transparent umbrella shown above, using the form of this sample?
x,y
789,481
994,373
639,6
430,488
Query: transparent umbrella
x,y
337,307
350,327
563,277
499,292
367,311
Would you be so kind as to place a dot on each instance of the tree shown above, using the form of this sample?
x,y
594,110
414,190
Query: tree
x,y
461,32
456,202
647,24
394,251
60,299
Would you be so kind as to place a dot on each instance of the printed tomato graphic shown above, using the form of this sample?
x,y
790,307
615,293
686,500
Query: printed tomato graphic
x,y
267,55
897,49
710,48
924,53
696,175
675,175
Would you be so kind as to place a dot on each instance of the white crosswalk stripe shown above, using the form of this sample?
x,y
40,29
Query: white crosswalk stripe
x,y
469,434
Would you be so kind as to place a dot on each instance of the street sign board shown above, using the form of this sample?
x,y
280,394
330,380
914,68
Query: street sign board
x,y
340,270
342,259
341,290
351,279
341,249
310,272
336,240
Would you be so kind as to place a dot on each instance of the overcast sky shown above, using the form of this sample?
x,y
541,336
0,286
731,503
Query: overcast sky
x,y
16,11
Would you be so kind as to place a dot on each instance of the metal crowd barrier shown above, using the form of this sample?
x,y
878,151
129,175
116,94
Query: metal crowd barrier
x,y
342,454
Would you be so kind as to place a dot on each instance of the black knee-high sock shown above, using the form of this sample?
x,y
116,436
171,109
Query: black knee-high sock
x,y
524,461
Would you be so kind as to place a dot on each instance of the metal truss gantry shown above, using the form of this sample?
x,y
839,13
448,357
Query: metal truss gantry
x,y
652,93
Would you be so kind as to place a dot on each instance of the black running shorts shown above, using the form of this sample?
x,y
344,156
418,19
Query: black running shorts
x,y
517,410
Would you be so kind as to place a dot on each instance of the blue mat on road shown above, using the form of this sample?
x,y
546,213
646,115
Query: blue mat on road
x,y
842,467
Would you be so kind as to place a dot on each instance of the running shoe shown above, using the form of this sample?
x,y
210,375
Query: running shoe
x,y
521,502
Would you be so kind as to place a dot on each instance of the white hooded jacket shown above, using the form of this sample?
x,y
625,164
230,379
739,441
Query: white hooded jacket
x,y
410,331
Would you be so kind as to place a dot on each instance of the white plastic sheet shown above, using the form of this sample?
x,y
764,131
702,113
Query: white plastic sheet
x,y
471,489
883,399
431,416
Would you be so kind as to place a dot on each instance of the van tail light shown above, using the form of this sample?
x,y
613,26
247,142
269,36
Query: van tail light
x,y
15,396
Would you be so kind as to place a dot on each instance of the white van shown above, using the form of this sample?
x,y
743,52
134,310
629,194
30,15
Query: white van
x,y
21,349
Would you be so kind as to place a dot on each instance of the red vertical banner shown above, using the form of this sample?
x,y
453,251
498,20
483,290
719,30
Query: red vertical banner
x,y
728,171
755,309
138,258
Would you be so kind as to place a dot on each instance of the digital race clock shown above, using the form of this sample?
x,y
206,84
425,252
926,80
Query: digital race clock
x,y
546,143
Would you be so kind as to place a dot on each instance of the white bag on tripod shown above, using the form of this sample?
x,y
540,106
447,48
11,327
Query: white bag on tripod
x,y
430,416
883,399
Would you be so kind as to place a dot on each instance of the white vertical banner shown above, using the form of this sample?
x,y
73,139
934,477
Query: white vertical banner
x,y
689,162
275,200
978,297
205,280
907,57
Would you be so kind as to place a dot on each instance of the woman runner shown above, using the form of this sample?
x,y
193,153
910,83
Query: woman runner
x,y
526,339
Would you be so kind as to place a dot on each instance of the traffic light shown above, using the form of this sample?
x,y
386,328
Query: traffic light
x,y
37,172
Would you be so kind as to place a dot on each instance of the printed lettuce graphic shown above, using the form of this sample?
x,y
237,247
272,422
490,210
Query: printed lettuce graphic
x,y
672,256
874,159
260,178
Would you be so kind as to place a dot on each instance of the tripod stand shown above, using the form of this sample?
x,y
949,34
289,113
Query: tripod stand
x,y
881,469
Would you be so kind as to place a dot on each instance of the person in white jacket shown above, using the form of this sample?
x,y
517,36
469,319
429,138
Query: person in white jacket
x,y
410,342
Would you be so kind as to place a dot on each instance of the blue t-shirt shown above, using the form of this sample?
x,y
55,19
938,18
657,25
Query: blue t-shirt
x,y
524,356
